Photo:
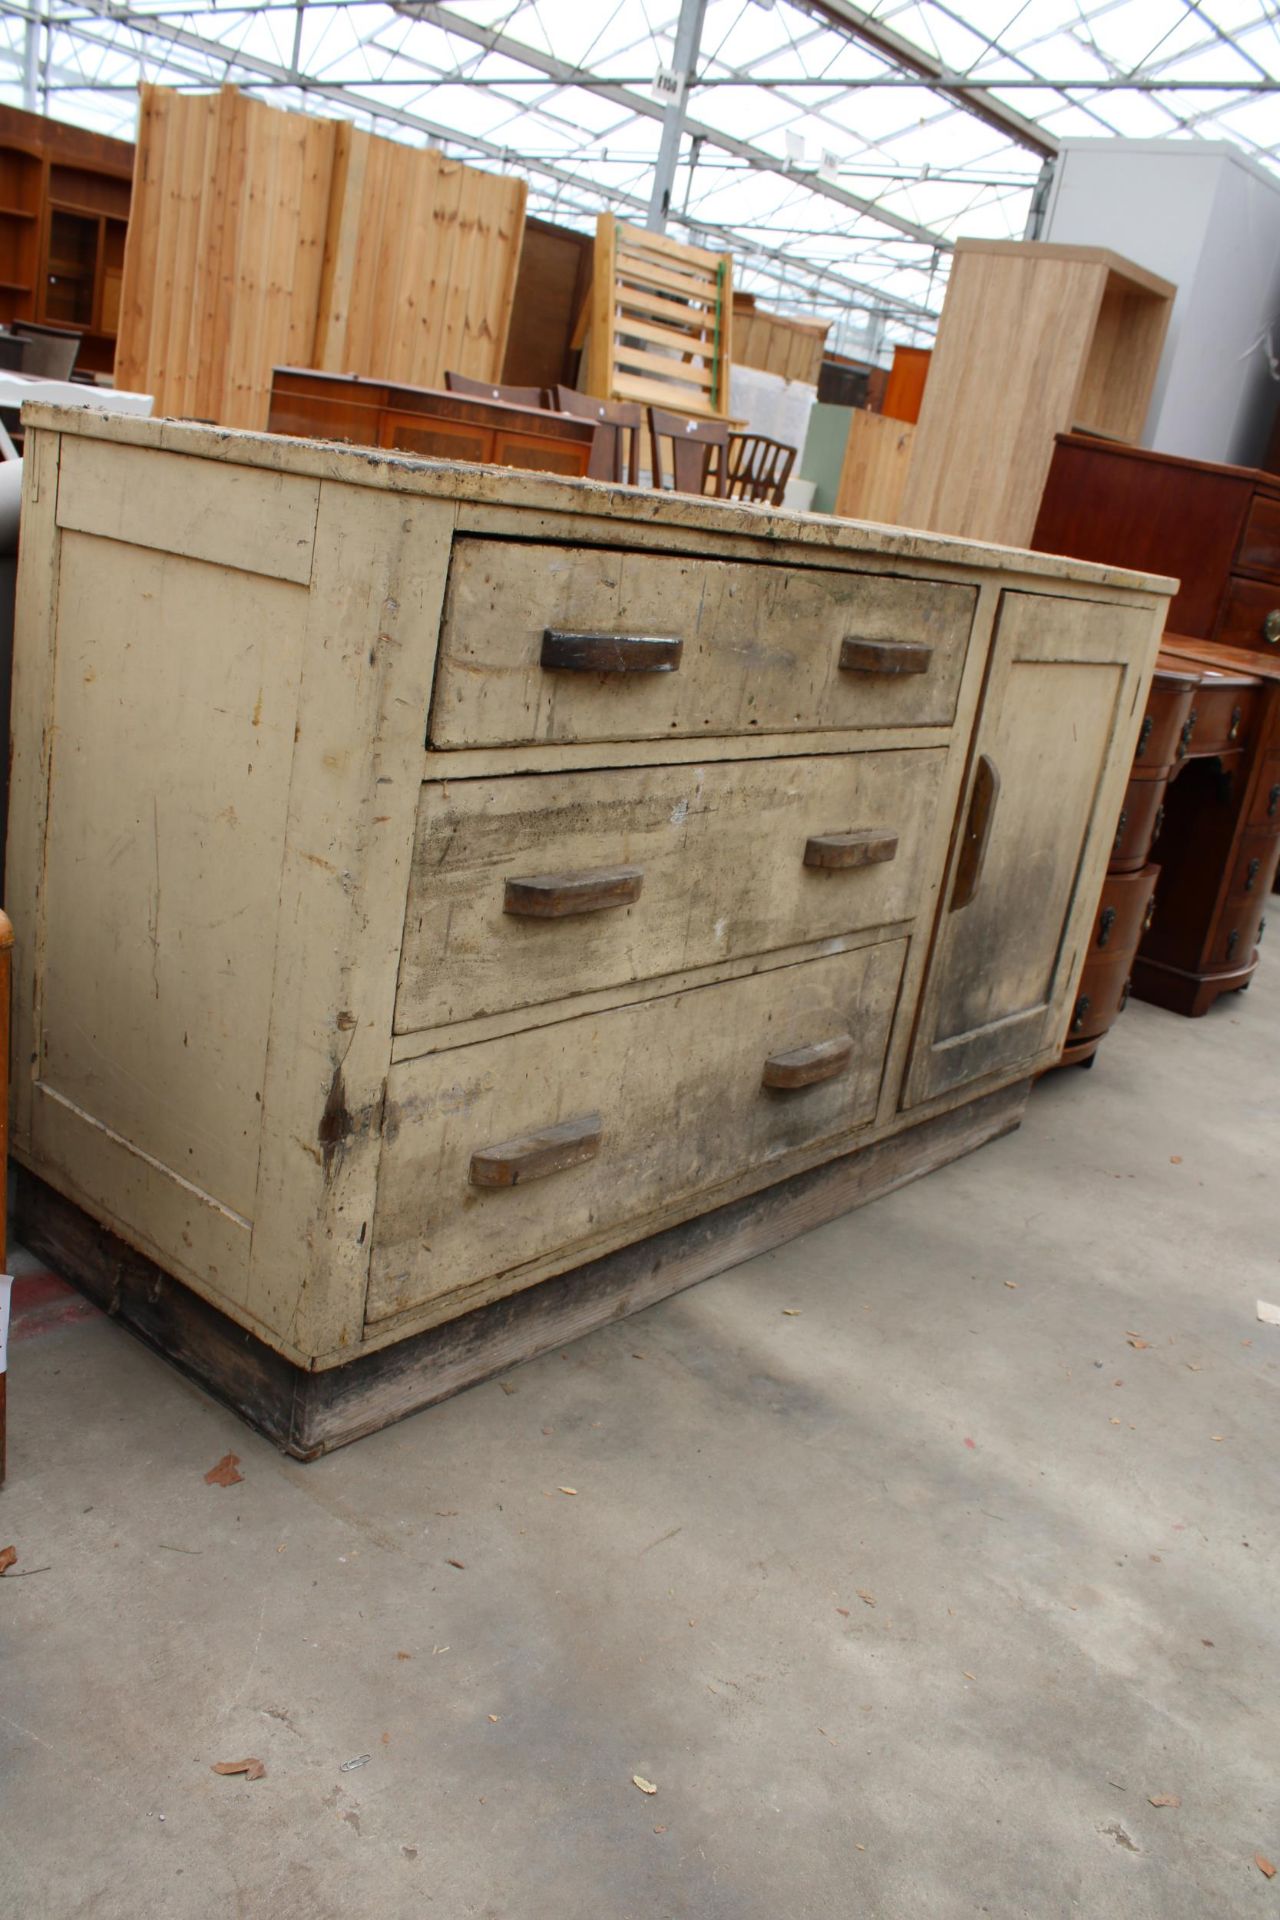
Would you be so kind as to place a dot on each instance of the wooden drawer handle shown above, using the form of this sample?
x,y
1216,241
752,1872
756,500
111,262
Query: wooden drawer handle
x,y
867,847
554,896
884,656
532,1156
610,652
977,832
803,1066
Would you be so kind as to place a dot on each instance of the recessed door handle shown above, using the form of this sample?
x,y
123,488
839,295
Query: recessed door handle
x,y
610,652
532,1156
977,832
866,847
556,896
884,656
805,1066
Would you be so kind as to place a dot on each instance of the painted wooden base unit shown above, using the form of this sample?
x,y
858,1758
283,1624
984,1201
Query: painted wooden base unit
x,y
308,1412
443,895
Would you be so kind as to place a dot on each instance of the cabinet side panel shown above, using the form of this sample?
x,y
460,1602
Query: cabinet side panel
x,y
174,698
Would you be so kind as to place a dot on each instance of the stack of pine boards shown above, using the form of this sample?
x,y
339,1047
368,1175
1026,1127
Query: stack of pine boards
x,y
259,238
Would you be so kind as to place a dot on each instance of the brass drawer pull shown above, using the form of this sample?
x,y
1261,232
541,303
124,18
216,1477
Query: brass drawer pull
x,y
884,656
554,896
1271,628
532,1156
866,847
804,1066
610,652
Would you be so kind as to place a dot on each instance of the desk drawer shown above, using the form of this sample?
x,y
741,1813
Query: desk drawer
x,y
642,646
1260,541
530,888
1265,810
655,1103
1252,617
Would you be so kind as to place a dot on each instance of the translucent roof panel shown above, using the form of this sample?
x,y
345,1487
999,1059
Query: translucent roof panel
x,y
839,150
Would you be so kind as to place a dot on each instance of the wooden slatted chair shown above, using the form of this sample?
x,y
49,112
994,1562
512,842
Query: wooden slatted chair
x,y
692,443
485,390
759,468
619,425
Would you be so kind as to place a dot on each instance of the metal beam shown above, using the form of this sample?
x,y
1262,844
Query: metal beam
x,y
904,53
685,59
780,264
564,75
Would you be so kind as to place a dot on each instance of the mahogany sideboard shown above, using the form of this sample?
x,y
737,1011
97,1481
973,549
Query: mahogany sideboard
x,y
423,421
458,907
1218,528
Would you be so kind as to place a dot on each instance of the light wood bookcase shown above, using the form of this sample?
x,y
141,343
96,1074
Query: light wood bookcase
x,y
457,907
1034,340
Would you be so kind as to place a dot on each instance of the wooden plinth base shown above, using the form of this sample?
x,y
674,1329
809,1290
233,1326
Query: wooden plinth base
x,y
1190,993
310,1413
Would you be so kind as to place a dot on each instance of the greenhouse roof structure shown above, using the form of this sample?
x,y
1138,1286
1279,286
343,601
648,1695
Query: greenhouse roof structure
x,y
839,150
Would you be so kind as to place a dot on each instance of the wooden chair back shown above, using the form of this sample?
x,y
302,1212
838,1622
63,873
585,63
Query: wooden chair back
x,y
485,390
692,444
759,468
616,453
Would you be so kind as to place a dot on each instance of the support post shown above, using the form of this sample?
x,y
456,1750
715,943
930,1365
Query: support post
x,y
688,39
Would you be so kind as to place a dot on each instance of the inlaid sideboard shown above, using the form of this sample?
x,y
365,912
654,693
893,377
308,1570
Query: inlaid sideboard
x,y
457,907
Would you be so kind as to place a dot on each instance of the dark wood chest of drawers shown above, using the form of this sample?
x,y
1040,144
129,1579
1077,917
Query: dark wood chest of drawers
x,y
1215,832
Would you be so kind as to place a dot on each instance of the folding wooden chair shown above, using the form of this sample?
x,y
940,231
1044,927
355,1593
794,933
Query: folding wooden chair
x,y
616,453
693,442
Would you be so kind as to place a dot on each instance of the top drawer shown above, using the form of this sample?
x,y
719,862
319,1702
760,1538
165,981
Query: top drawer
x,y
1260,541
529,647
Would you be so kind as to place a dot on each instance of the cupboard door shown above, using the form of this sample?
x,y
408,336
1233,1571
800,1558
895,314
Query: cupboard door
x,y
1055,738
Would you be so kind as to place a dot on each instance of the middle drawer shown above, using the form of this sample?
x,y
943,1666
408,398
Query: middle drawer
x,y
534,887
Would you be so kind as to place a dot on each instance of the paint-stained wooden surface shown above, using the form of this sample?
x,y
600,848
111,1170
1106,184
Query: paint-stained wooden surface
x,y
876,457
677,1084
722,854
1066,688
760,647
269,1029
1034,339
259,238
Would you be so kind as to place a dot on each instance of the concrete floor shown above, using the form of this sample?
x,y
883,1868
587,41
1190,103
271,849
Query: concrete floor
x,y
899,1569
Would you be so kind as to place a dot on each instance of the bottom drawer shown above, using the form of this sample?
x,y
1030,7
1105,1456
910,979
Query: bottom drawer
x,y
1100,997
517,1157
1240,927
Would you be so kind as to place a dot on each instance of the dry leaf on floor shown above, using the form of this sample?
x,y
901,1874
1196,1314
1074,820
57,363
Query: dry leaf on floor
x,y
1012,1283
1175,1159
1217,1436
404,1656
645,1786
568,1490
1263,1865
507,1387
225,1473
1164,1799
494,1717
844,1611
8,1557
461,1565
868,1599
793,1313
1193,1366
1136,1341
251,1769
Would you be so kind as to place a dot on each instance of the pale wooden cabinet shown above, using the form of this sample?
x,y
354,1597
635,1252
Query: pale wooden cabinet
x,y
455,907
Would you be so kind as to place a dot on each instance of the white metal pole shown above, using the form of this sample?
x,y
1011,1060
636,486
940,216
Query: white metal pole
x,y
688,38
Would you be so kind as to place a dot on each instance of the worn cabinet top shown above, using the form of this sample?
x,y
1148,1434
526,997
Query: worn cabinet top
x,y
542,493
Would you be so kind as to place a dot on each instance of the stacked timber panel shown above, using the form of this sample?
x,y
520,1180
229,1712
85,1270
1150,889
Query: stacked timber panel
x,y
774,343
260,238
559,892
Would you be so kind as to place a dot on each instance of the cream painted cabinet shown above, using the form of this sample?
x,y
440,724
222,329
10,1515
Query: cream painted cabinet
x,y
1065,683
455,907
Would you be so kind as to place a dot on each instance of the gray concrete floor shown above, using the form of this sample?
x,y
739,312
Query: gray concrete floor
x,y
903,1574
